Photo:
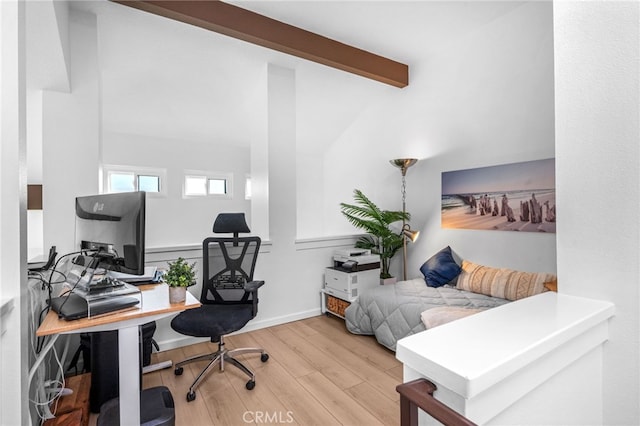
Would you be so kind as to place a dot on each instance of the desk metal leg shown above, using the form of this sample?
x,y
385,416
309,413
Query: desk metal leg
x,y
129,367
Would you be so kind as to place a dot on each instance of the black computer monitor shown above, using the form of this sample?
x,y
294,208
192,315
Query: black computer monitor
x,y
110,231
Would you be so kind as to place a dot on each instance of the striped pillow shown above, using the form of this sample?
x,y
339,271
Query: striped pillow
x,y
500,282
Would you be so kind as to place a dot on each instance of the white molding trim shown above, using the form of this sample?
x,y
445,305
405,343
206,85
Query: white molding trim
x,y
326,242
189,247
165,249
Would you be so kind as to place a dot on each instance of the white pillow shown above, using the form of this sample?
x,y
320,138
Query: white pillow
x,y
437,316
500,282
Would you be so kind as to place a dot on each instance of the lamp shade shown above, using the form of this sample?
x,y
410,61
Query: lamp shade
x,y
404,163
411,234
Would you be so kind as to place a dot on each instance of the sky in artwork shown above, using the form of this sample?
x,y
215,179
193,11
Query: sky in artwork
x,y
530,175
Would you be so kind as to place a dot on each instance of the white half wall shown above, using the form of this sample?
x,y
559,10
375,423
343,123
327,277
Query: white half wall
x,y
597,57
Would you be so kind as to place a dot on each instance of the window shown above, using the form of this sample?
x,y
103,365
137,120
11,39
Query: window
x,y
129,179
247,188
217,186
149,183
195,185
208,184
121,182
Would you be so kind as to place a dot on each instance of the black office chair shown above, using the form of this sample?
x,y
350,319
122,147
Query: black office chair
x,y
229,297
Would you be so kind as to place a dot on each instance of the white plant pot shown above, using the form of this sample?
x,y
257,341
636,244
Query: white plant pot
x,y
177,294
391,280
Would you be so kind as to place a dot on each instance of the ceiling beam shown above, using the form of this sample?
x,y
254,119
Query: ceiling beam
x,y
254,28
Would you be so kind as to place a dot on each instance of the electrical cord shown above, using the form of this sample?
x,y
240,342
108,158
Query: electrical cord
x,y
41,379
82,274
55,269
44,399
39,398
43,347
46,284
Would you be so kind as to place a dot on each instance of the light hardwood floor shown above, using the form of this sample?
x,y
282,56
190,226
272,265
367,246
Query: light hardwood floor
x,y
317,374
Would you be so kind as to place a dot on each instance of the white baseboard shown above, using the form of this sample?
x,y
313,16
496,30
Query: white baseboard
x,y
181,341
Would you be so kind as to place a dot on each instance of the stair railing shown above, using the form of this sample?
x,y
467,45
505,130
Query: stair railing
x,y
419,394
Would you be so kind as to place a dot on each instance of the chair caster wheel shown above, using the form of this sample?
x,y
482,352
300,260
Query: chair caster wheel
x,y
191,396
178,371
250,384
264,357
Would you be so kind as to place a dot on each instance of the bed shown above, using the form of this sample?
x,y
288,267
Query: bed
x,y
446,292
391,312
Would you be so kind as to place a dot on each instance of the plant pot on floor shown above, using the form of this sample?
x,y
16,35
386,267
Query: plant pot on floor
x,y
177,294
390,280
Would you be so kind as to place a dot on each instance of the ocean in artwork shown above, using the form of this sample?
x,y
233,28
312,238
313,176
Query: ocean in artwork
x,y
511,197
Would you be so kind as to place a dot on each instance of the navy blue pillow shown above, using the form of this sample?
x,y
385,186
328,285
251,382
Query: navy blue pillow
x,y
440,268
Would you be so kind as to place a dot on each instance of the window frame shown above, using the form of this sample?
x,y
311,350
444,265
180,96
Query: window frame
x,y
248,188
208,175
137,171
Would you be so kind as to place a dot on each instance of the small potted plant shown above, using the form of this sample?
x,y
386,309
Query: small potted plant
x,y
179,276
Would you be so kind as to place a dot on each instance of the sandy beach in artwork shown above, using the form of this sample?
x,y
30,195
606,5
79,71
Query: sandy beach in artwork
x,y
507,197
468,217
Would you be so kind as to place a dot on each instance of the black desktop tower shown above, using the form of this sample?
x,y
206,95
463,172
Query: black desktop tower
x,y
104,368
104,363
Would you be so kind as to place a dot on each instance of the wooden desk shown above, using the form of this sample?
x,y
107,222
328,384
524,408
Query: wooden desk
x,y
155,305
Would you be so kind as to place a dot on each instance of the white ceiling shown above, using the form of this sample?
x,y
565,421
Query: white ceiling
x,y
168,79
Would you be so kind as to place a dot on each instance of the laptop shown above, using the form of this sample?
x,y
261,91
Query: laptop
x,y
73,306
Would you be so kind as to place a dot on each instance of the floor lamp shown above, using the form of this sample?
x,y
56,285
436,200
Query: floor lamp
x,y
407,233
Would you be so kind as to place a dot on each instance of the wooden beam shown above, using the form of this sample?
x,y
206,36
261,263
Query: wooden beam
x,y
34,197
252,27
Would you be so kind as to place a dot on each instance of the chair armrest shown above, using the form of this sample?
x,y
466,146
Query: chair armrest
x,y
253,286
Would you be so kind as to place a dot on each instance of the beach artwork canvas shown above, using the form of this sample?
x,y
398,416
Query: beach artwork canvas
x,y
509,197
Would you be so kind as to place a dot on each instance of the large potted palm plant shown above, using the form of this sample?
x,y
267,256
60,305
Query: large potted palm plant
x,y
381,239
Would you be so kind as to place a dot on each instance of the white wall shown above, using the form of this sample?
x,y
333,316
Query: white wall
x,y
13,187
173,220
310,190
46,36
75,141
259,111
71,135
597,57
483,97
35,231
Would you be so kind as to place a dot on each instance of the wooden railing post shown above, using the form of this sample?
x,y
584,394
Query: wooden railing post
x,y
419,394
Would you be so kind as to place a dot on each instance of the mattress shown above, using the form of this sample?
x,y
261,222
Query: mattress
x,y
391,312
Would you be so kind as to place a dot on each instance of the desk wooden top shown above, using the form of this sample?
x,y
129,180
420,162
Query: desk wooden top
x,y
155,301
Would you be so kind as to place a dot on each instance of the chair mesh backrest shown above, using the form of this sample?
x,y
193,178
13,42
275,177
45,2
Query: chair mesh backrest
x,y
228,263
